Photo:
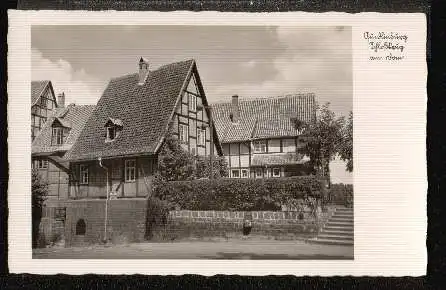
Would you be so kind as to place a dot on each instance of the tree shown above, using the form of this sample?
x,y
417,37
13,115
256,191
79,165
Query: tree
x,y
174,163
323,138
345,149
39,191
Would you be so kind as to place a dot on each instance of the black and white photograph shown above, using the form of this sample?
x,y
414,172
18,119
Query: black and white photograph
x,y
192,142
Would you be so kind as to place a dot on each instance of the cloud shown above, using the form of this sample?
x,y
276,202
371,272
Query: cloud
x,y
315,59
78,86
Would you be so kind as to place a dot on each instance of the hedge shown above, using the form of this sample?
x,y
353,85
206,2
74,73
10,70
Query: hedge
x,y
236,194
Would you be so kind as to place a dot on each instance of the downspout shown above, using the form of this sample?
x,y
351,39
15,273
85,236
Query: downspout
x,y
106,200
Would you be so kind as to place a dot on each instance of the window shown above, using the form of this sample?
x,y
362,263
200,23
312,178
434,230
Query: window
x,y
84,174
259,173
130,170
43,101
42,164
201,137
192,102
184,133
260,146
245,173
235,173
111,133
57,138
81,227
276,172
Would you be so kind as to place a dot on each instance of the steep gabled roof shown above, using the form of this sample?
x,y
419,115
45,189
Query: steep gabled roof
x,y
145,111
73,117
38,88
264,117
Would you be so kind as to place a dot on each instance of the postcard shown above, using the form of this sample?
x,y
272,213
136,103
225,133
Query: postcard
x,y
217,143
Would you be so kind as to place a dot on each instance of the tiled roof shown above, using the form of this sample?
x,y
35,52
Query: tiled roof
x,y
278,159
145,111
37,88
264,117
73,117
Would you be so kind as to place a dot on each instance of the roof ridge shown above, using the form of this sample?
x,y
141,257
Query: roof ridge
x,y
280,97
287,96
150,71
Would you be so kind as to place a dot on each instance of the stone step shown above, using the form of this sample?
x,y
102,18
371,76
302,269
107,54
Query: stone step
x,y
335,237
340,224
338,228
337,232
343,214
341,219
344,210
331,242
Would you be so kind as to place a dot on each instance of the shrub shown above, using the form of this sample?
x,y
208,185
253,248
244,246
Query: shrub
x,y
236,194
203,169
39,191
174,163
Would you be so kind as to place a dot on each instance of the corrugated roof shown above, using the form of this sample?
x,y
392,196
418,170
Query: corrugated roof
x,y
37,88
264,117
145,110
75,116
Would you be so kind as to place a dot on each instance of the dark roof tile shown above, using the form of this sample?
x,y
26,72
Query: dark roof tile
x,y
73,117
144,110
37,88
264,117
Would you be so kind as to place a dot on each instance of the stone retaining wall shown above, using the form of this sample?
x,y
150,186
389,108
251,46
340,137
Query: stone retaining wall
x,y
278,225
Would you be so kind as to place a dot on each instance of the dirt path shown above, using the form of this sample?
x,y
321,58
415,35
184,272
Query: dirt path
x,y
202,250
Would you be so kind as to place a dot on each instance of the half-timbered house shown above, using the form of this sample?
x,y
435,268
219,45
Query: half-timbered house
x,y
260,137
55,138
43,104
118,148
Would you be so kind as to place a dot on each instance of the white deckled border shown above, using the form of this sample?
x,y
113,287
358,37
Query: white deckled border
x,y
389,148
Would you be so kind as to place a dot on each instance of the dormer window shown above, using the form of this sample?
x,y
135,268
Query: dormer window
x,y
59,132
111,133
113,127
58,136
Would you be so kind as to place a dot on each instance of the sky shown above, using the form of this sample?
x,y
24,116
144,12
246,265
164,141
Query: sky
x,y
250,61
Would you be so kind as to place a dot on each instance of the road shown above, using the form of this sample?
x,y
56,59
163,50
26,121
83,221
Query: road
x,y
239,249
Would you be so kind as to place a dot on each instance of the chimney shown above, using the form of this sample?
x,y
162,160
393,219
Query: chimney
x,y
61,100
143,70
235,109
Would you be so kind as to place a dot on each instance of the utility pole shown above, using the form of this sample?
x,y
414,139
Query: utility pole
x,y
211,136
106,200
